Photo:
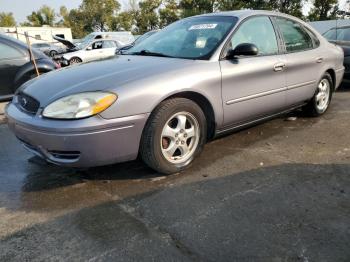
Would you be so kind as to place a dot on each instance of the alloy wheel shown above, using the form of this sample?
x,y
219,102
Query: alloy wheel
x,y
180,138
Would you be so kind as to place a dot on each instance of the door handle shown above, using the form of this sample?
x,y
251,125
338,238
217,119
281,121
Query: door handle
x,y
319,60
279,67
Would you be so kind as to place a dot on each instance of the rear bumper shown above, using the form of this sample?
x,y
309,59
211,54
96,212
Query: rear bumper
x,y
339,75
87,142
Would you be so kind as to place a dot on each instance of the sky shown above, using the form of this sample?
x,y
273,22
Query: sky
x,y
22,8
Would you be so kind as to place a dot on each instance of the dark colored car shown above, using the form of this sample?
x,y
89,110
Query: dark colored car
x,y
341,36
16,65
137,41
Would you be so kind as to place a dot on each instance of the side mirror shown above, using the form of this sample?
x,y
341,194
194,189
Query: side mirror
x,y
244,49
89,48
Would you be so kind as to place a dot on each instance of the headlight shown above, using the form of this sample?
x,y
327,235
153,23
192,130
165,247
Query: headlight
x,y
80,105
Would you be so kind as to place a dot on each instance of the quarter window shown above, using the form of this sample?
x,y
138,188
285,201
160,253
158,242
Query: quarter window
x,y
295,37
7,52
258,31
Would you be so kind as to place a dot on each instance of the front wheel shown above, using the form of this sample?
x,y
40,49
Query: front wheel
x,y
320,102
75,60
174,135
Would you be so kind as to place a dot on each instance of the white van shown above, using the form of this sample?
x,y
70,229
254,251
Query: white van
x,y
124,37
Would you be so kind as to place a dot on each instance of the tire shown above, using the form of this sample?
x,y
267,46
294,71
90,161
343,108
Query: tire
x,y
53,53
174,135
75,60
320,102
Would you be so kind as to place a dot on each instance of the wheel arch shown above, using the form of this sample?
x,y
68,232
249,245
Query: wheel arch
x,y
331,71
204,104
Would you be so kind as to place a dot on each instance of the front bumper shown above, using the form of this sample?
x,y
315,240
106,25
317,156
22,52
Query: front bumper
x,y
89,142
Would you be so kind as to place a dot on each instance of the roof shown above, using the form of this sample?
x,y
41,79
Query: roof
x,y
244,13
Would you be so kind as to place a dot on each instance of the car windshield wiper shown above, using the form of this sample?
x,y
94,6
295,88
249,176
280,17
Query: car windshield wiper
x,y
149,53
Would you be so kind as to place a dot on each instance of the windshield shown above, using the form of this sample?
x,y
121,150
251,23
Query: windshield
x,y
192,38
340,34
85,41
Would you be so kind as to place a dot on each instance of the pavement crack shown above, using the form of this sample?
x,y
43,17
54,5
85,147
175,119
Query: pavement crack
x,y
161,233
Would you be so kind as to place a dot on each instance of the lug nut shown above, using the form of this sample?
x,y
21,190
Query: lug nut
x,y
177,142
185,135
181,130
182,142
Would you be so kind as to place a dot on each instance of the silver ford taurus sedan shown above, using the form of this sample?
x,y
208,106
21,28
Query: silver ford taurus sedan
x,y
164,98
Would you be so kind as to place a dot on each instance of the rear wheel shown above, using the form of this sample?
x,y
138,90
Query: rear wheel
x,y
75,60
174,135
319,104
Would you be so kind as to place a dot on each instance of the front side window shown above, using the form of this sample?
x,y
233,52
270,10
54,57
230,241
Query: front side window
x,y
191,38
97,45
8,52
258,31
294,35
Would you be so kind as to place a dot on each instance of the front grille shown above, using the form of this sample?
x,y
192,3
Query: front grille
x,y
28,103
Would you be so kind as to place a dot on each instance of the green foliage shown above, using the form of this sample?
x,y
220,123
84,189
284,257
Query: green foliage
x,y
98,14
7,20
44,16
324,10
146,17
196,7
123,21
169,13
141,16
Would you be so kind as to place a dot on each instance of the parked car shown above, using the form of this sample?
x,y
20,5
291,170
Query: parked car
x,y
98,49
193,81
124,37
16,66
341,36
48,49
137,41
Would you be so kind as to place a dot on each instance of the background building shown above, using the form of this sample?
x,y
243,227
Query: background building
x,y
38,34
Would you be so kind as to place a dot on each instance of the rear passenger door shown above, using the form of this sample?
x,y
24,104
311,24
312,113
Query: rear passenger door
x,y
304,60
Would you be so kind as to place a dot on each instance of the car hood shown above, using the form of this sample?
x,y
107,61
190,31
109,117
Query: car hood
x,y
67,43
109,74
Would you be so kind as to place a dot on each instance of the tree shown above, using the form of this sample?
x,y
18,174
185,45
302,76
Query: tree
x,y
44,16
291,7
77,23
169,14
196,7
229,5
99,14
146,17
7,19
123,21
323,10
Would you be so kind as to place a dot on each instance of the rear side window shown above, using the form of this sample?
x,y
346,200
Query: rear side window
x,y
109,44
258,31
313,37
8,52
294,35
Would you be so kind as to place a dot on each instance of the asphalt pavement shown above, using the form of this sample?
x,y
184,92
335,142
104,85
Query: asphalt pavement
x,y
279,191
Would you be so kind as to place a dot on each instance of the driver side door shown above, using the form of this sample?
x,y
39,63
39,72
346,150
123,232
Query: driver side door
x,y
253,86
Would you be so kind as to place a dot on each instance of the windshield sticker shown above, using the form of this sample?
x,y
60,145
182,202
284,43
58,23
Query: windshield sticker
x,y
203,27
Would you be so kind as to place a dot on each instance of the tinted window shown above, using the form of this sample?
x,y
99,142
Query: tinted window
x,y
313,37
294,34
331,34
7,52
258,31
109,44
343,34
